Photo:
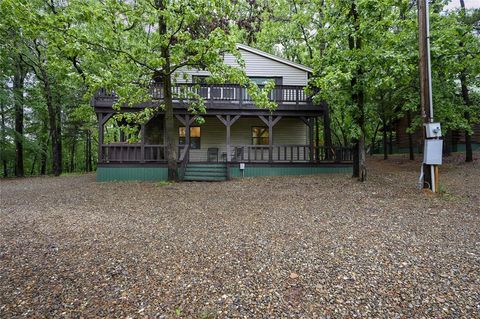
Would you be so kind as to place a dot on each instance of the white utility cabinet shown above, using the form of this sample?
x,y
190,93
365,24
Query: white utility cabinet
x,y
433,152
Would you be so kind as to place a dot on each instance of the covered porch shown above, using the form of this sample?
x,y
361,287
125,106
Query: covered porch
x,y
226,138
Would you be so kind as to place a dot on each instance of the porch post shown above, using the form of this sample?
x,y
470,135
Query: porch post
x,y
270,139
312,147
142,145
100,137
228,122
187,130
270,122
229,153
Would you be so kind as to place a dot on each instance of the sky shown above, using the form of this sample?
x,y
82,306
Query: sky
x,y
469,4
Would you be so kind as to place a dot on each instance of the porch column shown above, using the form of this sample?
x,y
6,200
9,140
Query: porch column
x,y
309,122
100,137
270,122
186,121
228,122
187,130
102,119
142,145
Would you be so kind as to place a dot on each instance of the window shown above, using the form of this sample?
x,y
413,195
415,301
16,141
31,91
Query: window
x,y
260,135
262,81
194,136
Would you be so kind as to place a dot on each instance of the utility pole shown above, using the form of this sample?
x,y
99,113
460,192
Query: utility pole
x,y
432,156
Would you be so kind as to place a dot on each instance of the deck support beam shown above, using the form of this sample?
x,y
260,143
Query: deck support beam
x,y
228,122
270,122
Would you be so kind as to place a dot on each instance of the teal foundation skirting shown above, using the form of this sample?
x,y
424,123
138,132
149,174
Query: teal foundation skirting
x,y
109,174
126,173
252,171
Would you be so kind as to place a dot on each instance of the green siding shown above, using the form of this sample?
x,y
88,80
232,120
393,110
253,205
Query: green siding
x,y
108,174
287,170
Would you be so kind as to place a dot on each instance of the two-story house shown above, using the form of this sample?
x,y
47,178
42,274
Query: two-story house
x,y
236,138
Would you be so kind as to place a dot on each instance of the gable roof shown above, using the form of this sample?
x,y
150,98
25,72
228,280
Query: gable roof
x,y
274,57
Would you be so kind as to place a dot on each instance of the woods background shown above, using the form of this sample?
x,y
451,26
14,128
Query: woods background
x,y
54,55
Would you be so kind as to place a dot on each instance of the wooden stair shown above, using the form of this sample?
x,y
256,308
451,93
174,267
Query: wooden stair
x,y
203,172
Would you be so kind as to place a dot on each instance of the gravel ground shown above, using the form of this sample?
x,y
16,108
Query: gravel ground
x,y
320,246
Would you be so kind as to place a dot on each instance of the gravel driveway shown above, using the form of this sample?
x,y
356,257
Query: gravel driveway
x,y
321,246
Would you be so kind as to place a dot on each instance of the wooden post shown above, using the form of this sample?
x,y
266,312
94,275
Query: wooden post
x,y
270,122
270,139
424,88
311,128
100,137
228,122
229,154
187,130
327,133
142,146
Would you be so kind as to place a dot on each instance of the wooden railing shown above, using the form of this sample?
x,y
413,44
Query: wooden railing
x,y
212,93
291,153
148,153
135,152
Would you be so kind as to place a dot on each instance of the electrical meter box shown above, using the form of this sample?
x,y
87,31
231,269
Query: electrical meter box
x,y
433,152
433,130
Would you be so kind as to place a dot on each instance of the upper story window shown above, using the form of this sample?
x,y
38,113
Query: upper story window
x,y
263,80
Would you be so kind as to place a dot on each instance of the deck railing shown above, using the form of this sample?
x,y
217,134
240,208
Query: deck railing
x,y
213,93
281,153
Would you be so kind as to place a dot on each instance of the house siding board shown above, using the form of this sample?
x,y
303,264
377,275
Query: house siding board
x,y
255,65
213,134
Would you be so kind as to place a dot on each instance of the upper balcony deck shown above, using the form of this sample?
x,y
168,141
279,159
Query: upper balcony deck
x,y
219,97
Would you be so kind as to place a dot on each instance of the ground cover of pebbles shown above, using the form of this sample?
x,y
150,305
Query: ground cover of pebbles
x,y
321,246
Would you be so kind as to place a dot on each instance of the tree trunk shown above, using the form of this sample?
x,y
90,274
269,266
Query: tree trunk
x,y
466,100
44,150
58,112
3,136
468,103
355,43
171,144
327,133
18,86
390,137
32,170
356,162
410,137
88,151
72,156
53,129
385,143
